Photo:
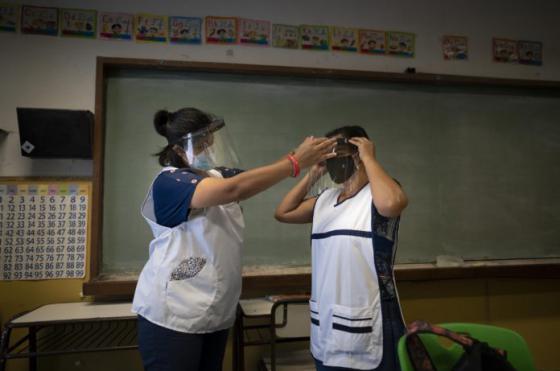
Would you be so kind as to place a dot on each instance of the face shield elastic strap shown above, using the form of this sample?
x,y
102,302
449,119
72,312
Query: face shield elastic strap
x,y
216,124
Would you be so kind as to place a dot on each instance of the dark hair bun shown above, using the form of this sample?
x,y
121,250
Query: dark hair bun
x,y
160,122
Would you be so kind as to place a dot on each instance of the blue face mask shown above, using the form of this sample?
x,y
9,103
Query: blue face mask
x,y
203,161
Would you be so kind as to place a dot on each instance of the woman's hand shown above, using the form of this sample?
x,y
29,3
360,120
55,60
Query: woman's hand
x,y
314,150
318,170
388,197
366,148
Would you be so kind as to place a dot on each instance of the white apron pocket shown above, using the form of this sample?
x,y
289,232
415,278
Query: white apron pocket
x,y
191,289
353,337
351,329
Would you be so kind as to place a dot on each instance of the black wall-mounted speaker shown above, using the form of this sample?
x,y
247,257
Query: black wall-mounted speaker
x,y
55,133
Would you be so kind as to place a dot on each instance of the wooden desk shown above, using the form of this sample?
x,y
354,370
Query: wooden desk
x,y
69,328
257,324
255,310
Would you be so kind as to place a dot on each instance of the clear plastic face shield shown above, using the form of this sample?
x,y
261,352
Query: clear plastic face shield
x,y
338,172
211,147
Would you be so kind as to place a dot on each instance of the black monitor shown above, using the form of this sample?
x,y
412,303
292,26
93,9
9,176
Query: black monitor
x,y
55,133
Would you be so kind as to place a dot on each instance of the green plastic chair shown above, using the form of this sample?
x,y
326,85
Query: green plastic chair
x,y
445,354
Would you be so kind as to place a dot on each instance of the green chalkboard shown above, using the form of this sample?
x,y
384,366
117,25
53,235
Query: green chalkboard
x,y
481,166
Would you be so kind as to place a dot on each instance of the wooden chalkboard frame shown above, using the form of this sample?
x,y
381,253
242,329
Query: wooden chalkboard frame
x,y
297,282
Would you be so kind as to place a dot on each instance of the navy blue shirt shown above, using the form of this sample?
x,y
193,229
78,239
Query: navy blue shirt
x,y
173,191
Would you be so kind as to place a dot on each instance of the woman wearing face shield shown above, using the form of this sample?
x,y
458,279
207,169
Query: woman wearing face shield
x,y
356,319
187,292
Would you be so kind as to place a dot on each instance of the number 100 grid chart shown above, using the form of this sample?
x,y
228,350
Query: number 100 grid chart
x,y
43,230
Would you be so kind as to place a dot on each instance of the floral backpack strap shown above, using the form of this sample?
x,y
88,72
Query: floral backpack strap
x,y
417,352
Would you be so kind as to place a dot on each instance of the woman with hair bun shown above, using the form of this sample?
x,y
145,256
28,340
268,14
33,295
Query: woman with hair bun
x,y
187,293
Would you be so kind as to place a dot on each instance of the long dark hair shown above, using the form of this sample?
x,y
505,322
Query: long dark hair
x,y
174,126
350,131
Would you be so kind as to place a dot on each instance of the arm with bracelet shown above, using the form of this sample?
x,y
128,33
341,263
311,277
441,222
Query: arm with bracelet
x,y
187,293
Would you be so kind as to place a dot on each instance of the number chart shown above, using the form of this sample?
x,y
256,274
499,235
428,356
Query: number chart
x,y
43,229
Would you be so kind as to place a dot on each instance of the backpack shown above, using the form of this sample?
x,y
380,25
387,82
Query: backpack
x,y
477,356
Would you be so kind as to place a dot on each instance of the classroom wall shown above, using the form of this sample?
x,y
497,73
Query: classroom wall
x,y
49,72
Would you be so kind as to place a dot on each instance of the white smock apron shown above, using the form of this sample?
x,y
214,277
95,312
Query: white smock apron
x,y
346,317
192,280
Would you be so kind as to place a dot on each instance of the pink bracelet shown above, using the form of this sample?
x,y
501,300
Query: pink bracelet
x,y
295,165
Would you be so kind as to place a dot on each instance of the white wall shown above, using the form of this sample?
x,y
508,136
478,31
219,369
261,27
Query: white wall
x,y
54,72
